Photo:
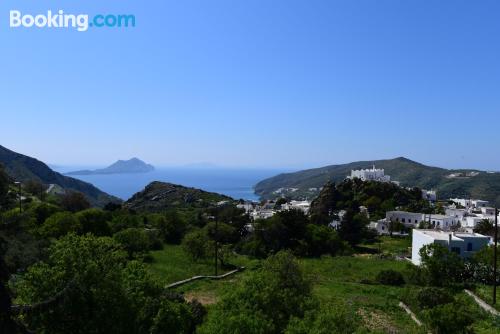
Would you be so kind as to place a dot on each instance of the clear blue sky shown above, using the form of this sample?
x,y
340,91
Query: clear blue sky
x,y
276,83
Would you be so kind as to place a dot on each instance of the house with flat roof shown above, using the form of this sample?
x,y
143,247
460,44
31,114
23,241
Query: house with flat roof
x,y
464,244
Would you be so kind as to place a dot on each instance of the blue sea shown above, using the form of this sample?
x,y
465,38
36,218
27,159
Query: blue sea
x,y
236,183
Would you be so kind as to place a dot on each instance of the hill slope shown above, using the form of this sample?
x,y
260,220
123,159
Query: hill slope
x,y
159,196
23,168
409,173
133,165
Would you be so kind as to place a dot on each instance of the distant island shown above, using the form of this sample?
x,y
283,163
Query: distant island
x,y
131,166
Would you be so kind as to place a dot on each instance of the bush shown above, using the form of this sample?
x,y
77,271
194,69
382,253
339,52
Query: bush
x,y
323,240
94,221
339,319
442,267
431,297
60,224
74,202
265,301
134,240
390,277
195,243
449,318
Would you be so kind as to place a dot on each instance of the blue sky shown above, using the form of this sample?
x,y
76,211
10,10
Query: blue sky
x,y
256,83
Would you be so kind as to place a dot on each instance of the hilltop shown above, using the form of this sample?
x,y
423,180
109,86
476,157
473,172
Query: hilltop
x,y
131,166
159,196
448,182
23,168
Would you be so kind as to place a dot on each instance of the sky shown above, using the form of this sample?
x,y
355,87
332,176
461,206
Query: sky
x,y
256,83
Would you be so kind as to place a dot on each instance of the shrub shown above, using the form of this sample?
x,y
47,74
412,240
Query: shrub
x,y
60,224
134,240
390,277
339,319
74,202
195,244
431,297
94,221
449,318
442,267
265,301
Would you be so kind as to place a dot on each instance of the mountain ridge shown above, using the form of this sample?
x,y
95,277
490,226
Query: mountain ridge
x,y
408,172
23,168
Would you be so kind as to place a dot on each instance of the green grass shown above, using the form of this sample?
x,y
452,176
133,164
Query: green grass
x,y
339,278
172,264
485,292
350,279
391,245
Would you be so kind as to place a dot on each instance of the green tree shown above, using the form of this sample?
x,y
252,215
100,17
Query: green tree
x,y
74,202
441,266
98,292
485,227
4,185
94,221
353,227
134,240
196,244
321,240
265,301
42,211
60,224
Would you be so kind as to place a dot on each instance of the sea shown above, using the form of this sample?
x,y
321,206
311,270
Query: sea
x,y
233,182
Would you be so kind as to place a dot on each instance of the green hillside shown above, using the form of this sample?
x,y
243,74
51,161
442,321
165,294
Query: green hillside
x,y
23,168
160,196
409,173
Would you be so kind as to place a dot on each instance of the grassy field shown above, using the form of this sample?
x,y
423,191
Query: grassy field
x,y
339,278
172,264
391,245
350,279
485,292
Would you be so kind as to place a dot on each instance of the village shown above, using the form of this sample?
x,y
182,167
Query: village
x,y
454,229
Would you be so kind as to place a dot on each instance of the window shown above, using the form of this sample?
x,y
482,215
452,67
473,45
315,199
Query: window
x,y
455,250
469,247
403,220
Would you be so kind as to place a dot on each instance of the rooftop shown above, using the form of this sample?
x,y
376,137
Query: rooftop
x,y
442,235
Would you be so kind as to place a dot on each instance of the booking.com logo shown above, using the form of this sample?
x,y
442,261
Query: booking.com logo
x,y
80,22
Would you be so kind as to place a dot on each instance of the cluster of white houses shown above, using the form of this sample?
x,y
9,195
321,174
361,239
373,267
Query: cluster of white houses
x,y
454,229
456,217
269,208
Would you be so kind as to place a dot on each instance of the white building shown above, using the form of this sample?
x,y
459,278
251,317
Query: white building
x,y
297,205
370,175
470,203
457,213
464,244
442,222
409,219
381,226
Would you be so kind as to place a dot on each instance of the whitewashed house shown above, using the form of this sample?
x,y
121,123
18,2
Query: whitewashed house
x,y
464,244
380,226
409,219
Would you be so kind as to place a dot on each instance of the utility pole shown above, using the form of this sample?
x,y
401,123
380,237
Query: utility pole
x,y
495,259
216,241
